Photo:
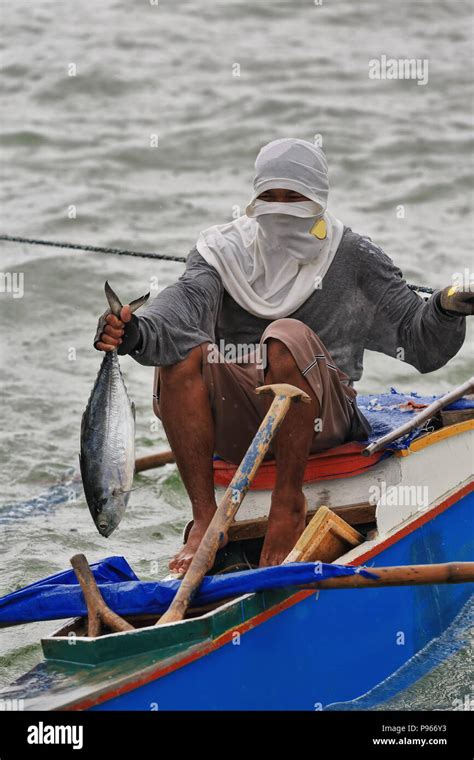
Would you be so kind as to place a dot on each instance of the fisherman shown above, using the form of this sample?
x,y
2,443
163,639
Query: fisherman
x,y
310,295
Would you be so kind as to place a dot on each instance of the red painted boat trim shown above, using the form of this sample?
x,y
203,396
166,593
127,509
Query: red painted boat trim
x,y
205,649
339,462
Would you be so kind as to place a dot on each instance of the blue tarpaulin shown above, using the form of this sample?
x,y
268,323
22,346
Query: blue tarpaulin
x,y
105,571
59,596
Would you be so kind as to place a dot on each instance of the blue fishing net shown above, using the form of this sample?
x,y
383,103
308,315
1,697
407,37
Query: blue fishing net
x,y
387,411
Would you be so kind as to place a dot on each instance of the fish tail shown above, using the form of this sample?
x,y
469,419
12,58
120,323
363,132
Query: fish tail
x,y
113,299
139,302
116,305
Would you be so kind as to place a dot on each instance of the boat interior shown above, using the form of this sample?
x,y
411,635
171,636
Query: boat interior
x,y
334,532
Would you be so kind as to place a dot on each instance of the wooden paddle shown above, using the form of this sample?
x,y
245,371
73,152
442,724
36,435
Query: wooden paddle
x,y
217,531
154,460
405,575
97,610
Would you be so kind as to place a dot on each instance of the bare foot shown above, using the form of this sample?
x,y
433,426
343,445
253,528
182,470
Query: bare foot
x,y
286,523
182,560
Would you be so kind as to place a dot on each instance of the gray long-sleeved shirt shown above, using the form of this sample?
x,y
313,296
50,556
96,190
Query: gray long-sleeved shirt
x,y
364,303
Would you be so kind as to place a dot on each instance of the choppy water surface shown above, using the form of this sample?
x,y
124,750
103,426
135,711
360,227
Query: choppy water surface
x,y
77,164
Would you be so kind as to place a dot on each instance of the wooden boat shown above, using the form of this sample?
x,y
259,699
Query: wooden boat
x,y
290,649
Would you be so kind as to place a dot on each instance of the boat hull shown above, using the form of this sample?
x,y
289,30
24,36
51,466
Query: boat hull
x,y
286,650
316,649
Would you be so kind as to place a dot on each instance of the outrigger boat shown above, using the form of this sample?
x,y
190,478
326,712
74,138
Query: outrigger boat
x,y
303,646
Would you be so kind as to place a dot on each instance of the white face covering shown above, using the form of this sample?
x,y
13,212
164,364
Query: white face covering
x,y
298,208
273,258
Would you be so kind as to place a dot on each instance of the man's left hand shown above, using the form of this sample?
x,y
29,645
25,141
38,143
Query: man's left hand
x,y
459,302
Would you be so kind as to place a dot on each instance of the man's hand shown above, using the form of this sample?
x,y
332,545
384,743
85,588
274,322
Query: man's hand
x,y
110,330
458,302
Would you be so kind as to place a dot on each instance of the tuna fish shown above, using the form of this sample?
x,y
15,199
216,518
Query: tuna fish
x,y
107,456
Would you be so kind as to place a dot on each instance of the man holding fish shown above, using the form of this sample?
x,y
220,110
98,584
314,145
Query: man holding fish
x,y
307,294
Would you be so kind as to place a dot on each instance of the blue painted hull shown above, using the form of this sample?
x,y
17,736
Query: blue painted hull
x,y
331,648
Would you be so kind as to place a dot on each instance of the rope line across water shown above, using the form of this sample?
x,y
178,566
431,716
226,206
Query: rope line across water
x,y
125,252
93,248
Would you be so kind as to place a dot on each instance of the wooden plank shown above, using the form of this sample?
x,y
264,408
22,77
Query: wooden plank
x,y
455,416
356,514
353,514
326,538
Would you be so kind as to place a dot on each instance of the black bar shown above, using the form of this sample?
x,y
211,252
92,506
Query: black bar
x,y
115,735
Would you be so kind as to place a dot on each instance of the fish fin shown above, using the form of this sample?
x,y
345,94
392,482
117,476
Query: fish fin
x,y
139,302
116,305
83,476
113,299
132,405
83,425
118,491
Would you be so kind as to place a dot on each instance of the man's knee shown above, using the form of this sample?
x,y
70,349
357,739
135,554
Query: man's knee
x,y
279,357
286,328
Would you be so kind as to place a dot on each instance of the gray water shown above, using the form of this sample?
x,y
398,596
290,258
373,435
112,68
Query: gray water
x,y
84,141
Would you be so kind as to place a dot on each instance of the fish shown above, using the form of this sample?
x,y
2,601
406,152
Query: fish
x,y
107,458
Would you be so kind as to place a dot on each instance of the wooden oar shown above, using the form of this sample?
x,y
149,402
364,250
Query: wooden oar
x,y
233,496
154,460
405,575
422,416
97,610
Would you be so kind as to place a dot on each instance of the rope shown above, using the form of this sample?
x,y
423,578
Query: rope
x,y
422,288
94,248
125,252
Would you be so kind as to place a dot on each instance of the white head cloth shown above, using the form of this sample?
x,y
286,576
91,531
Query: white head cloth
x,y
270,260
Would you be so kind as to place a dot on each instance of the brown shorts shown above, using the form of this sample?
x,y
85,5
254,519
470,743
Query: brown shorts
x,y
238,411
